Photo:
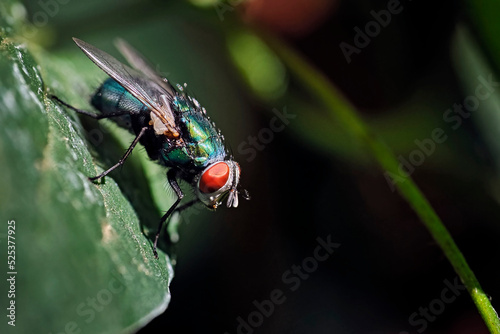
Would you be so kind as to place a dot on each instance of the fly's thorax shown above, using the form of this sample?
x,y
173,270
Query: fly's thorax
x,y
202,144
218,180
181,104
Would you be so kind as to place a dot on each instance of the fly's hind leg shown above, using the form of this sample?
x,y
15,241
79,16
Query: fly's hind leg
x,y
101,116
87,113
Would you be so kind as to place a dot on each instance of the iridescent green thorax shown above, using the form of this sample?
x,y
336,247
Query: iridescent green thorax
x,y
203,144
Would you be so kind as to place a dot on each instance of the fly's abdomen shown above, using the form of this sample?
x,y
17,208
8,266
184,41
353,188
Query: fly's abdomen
x,y
111,97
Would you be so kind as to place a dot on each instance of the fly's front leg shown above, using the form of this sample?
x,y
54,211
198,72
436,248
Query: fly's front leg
x,y
171,176
175,220
185,206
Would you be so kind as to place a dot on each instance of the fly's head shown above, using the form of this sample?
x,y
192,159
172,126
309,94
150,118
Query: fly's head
x,y
219,181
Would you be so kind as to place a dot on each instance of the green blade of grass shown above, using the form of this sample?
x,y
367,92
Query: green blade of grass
x,y
342,112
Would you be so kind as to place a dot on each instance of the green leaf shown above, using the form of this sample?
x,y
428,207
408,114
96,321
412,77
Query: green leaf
x,y
81,259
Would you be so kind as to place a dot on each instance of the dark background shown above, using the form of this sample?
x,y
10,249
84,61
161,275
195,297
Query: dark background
x,y
306,184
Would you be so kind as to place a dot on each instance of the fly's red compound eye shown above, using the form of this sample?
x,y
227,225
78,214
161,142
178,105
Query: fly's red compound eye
x,y
214,178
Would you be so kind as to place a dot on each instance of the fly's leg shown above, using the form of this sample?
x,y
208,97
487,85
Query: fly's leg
x,y
175,219
185,206
171,176
125,156
87,113
97,116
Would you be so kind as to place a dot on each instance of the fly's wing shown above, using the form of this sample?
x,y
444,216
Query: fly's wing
x,y
148,91
141,64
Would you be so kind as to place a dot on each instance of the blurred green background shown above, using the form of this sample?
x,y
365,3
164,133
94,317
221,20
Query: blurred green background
x,y
308,178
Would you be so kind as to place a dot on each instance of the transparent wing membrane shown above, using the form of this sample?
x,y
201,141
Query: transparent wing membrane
x,y
150,92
